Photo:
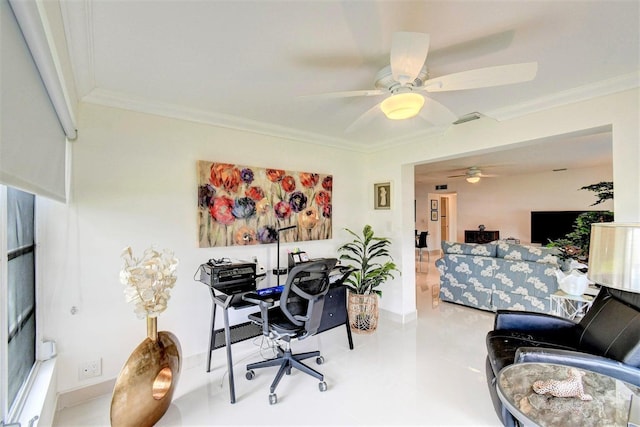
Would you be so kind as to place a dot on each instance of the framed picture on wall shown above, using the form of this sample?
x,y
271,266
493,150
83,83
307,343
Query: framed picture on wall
x,y
434,215
382,195
434,205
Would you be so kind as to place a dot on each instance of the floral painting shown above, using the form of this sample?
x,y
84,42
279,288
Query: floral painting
x,y
245,205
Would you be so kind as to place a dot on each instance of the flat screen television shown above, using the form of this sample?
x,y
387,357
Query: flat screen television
x,y
551,225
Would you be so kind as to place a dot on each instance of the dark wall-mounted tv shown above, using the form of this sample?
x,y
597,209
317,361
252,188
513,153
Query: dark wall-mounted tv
x,y
551,225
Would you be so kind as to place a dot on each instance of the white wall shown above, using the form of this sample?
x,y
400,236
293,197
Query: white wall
x,y
134,182
505,203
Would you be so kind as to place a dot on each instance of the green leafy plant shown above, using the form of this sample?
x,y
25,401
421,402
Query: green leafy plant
x,y
575,245
370,257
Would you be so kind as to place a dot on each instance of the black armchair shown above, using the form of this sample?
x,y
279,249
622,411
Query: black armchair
x,y
297,316
606,340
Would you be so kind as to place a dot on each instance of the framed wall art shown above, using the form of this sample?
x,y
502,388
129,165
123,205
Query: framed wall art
x,y
434,215
247,205
382,195
434,205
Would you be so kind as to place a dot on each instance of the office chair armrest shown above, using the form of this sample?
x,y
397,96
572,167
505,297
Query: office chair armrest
x,y
264,303
256,299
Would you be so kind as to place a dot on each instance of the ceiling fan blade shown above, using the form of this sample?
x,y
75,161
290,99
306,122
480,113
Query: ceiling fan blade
x,y
436,113
408,53
347,93
364,118
457,176
483,77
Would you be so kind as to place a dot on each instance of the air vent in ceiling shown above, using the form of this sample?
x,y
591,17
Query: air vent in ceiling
x,y
468,117
441,187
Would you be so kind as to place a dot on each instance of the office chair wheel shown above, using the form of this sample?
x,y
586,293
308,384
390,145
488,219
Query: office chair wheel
x,y
250,375
319,360
273,399
322,386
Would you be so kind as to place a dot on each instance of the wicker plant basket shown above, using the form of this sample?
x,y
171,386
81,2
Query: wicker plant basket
x,y
363,313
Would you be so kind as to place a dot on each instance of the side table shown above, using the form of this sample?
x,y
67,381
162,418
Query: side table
x,y
609,407
570,306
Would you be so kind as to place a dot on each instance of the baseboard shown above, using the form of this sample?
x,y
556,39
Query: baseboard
x,y
399,318
84,394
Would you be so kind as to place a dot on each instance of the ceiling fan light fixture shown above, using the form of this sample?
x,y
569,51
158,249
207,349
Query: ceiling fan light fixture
x,y
473,179
402,106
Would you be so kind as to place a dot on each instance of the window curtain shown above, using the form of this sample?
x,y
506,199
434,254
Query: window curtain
x,y
32,140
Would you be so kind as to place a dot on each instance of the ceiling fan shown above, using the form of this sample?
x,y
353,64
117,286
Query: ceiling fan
x,y
472,175
406,79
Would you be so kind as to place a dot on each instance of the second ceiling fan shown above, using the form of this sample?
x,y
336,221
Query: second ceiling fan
x,y
406,79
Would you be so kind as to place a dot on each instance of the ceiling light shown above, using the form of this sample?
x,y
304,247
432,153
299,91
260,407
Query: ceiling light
x,y
473,179
402,106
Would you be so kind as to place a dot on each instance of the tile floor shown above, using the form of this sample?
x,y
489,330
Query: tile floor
x,y
427,373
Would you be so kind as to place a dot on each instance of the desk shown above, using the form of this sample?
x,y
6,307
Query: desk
x,y
334,314
610,404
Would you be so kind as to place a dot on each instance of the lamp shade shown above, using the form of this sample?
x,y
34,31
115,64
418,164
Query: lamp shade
x,y
614,255
402,105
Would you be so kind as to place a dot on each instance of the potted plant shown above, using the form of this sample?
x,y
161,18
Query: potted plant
x,y
373,265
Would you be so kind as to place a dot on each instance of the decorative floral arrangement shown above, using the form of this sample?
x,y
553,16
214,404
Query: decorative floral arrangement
x,y
148,279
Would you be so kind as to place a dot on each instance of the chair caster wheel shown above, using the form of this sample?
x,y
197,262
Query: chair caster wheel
x,y
319,360
273,399
322,386
250,375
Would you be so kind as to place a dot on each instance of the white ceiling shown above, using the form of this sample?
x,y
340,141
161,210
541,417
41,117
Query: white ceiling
x,y
246,64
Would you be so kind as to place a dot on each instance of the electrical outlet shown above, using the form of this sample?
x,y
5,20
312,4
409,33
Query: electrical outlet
x,y
90,369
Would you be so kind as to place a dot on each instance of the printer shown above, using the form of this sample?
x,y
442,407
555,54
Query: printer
x,y
228,277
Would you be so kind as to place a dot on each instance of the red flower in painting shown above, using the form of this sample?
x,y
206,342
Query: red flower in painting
x,y
275,175
309,180
256,193
327,183
323,198
288,183
326,211
226,176
282,210
221,210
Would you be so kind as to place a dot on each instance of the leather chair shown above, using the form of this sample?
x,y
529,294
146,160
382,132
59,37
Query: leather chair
x,y
297,316
606,340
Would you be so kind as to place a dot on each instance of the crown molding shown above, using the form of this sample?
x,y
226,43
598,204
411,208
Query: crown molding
x,y
126,102
81,48
577,94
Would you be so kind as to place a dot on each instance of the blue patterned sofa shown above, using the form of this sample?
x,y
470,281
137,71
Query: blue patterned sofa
x,y
498,275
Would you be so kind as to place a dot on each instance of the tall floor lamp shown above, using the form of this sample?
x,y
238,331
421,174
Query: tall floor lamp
x,y
614,255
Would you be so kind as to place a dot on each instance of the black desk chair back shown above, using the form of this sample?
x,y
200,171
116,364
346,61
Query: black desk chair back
x,y
298,316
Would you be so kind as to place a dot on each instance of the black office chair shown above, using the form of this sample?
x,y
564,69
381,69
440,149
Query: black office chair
x,y
421,244
297,316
